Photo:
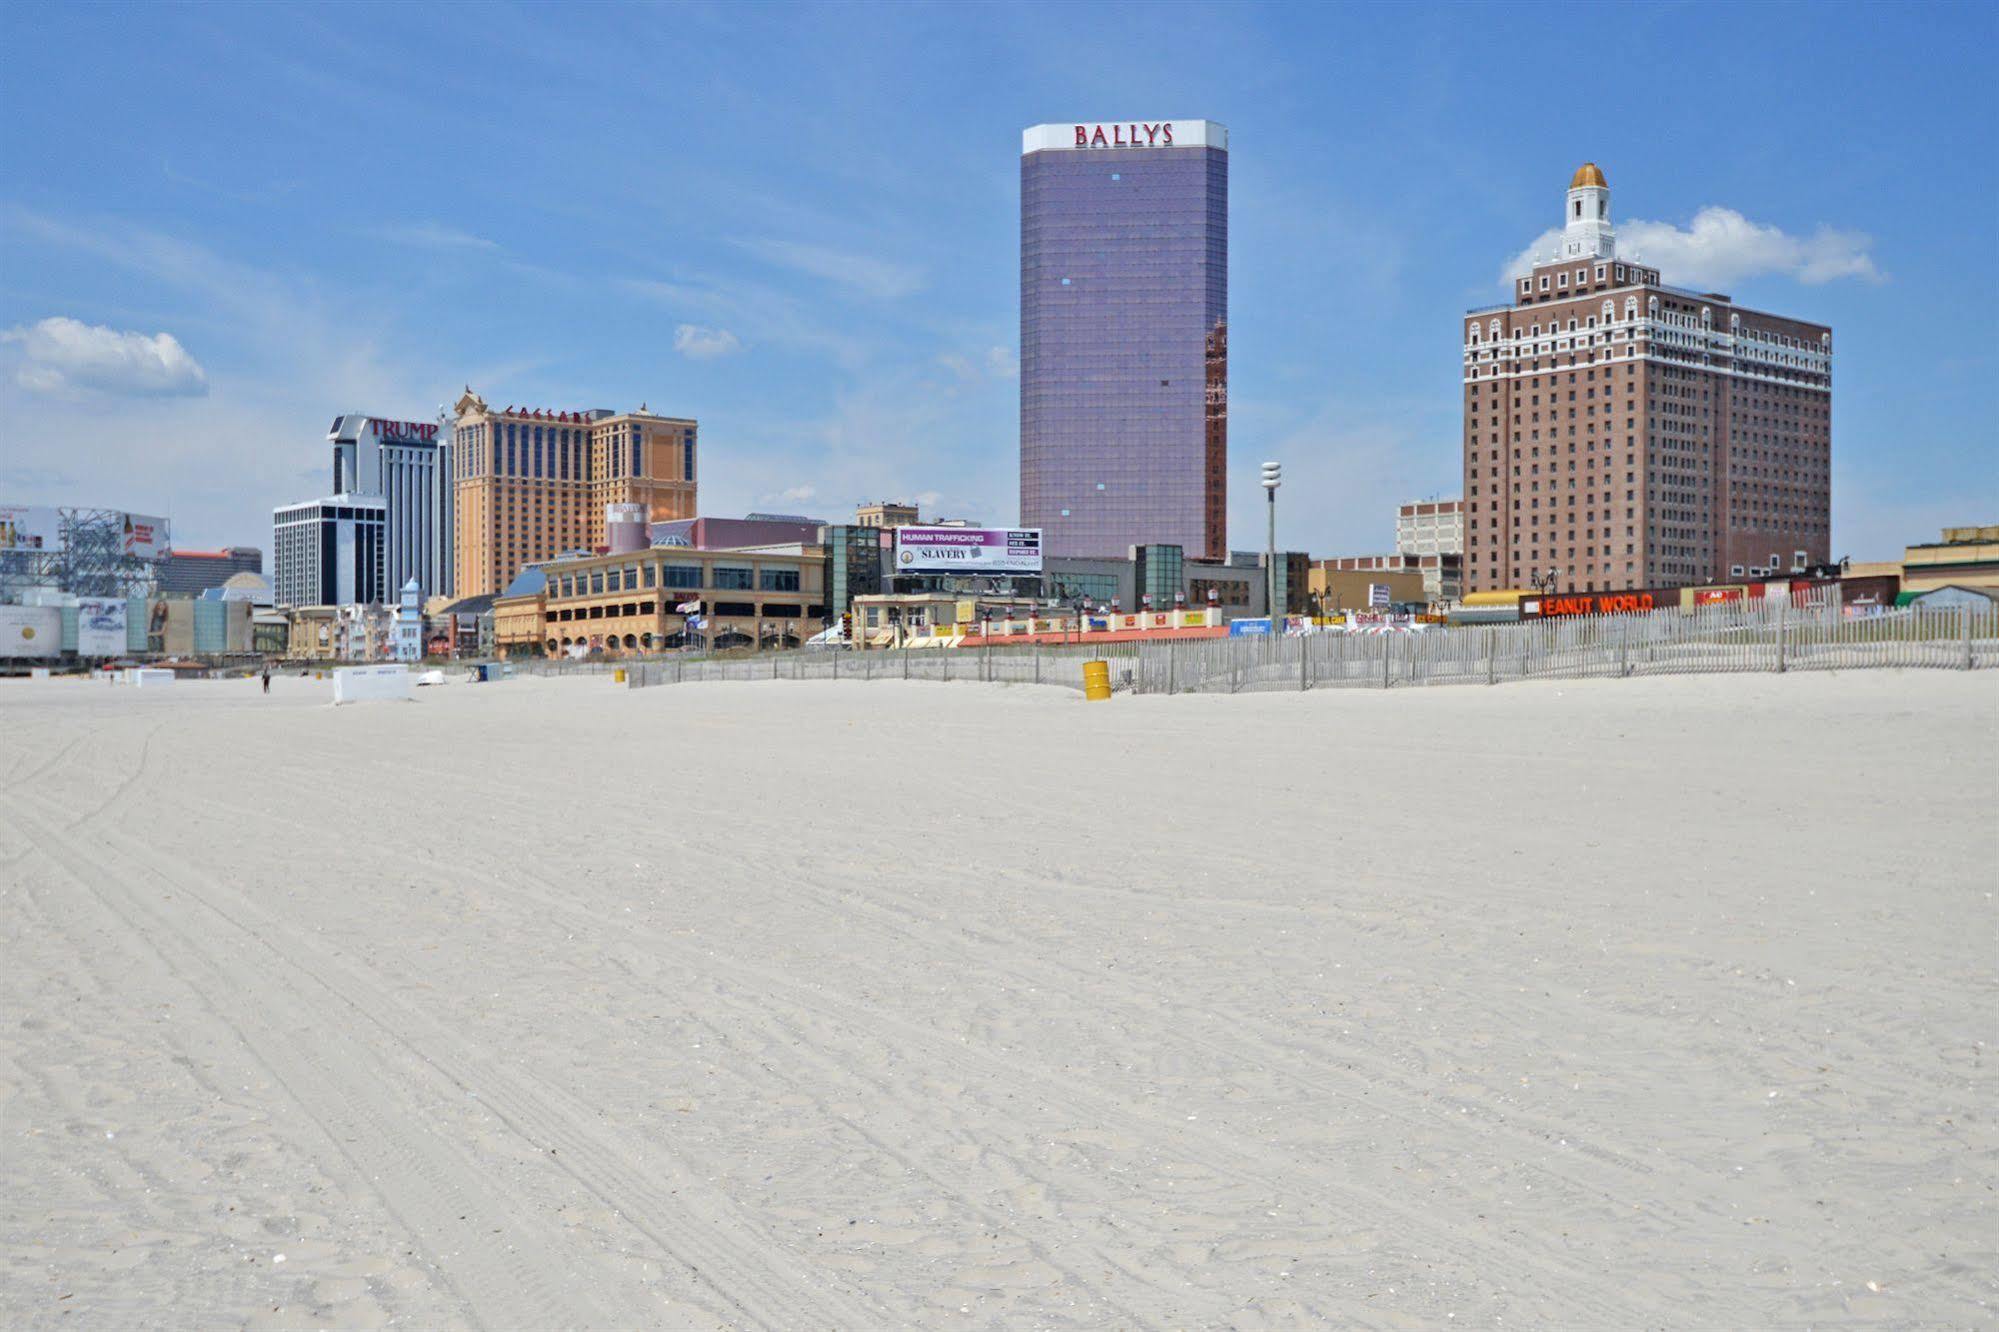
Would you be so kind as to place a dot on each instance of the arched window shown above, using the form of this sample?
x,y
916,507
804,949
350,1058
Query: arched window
x,y
1495,328
1630,307
1609,311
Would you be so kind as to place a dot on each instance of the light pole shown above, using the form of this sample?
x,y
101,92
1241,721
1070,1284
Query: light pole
x,y
1273,477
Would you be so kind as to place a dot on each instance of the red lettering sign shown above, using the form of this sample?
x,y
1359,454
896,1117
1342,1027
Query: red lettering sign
x,y
1125,136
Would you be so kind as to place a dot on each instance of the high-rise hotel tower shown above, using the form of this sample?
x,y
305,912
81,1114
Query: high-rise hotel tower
x,y
530,483
1124,299
1621,433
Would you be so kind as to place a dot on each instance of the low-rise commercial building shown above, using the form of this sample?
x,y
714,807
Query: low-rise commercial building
x,y
1966,557
666,597
1343,582
189,573
885,513
1336,587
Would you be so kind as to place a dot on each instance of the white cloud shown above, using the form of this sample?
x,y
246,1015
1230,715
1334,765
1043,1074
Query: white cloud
x,y
61,355
882,279
434,236
794,495
705,344
1722,247
995,363
217,463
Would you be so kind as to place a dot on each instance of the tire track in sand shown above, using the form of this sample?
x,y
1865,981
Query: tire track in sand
x,y
723,1252
425,1181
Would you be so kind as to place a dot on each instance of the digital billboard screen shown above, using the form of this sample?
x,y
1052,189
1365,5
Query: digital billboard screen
x,y
968,550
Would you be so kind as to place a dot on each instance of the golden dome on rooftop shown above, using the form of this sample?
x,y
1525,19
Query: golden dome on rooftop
x,y
1588,174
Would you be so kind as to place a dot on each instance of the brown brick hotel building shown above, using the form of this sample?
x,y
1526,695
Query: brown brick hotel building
x,y
1620,433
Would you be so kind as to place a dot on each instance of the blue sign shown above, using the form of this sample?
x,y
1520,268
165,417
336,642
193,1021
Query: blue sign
x,y
1249,628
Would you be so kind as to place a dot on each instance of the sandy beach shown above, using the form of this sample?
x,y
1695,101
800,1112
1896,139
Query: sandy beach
x,y
1646,1003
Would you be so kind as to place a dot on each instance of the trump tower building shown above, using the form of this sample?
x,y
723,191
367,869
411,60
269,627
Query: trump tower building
x,y
1124,297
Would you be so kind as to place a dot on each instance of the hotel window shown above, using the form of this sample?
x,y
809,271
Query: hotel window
x,y
732,578
687,459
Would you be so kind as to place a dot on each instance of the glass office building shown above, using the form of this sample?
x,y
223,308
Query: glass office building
x,y
1124,336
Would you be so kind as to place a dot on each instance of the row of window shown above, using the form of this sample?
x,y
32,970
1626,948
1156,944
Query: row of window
x,y
632,577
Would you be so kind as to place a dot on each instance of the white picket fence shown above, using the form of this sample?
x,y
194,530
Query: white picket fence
x,y
1712,640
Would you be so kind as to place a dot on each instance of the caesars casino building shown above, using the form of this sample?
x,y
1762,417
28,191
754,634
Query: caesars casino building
x,y
1124,297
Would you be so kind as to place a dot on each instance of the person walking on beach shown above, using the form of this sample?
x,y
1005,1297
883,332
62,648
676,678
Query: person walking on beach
x,y
267,677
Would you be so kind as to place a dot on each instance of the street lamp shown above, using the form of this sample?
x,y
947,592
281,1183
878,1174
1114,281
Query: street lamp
x,y
1273,477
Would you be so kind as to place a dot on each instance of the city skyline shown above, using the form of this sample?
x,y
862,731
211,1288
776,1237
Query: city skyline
x,y
826,276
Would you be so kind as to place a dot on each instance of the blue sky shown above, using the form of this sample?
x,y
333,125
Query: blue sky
x,y
221,225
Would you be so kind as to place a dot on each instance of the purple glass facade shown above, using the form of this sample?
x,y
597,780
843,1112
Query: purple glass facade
x,y
1124,348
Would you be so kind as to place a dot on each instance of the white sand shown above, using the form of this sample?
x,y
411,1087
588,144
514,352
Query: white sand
x,y
1644,1003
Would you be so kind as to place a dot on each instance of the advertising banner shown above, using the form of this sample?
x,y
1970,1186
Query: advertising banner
x,y
145,536
30,631
968,550
26,528
1601,603
100,628
1377,594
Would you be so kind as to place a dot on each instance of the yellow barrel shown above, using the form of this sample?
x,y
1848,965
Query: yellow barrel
x,y
618,676
1096,680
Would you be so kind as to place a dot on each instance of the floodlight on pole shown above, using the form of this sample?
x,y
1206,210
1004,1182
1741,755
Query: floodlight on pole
x,y
1273,477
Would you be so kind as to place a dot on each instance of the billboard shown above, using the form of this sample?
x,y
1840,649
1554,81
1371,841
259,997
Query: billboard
x,y
25,528
145,536
100,628
968,550
30,632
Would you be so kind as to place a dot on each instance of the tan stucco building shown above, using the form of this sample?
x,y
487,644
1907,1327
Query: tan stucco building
x,y
763,597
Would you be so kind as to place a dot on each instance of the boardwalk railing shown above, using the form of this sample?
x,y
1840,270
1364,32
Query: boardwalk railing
x,y
1712,640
